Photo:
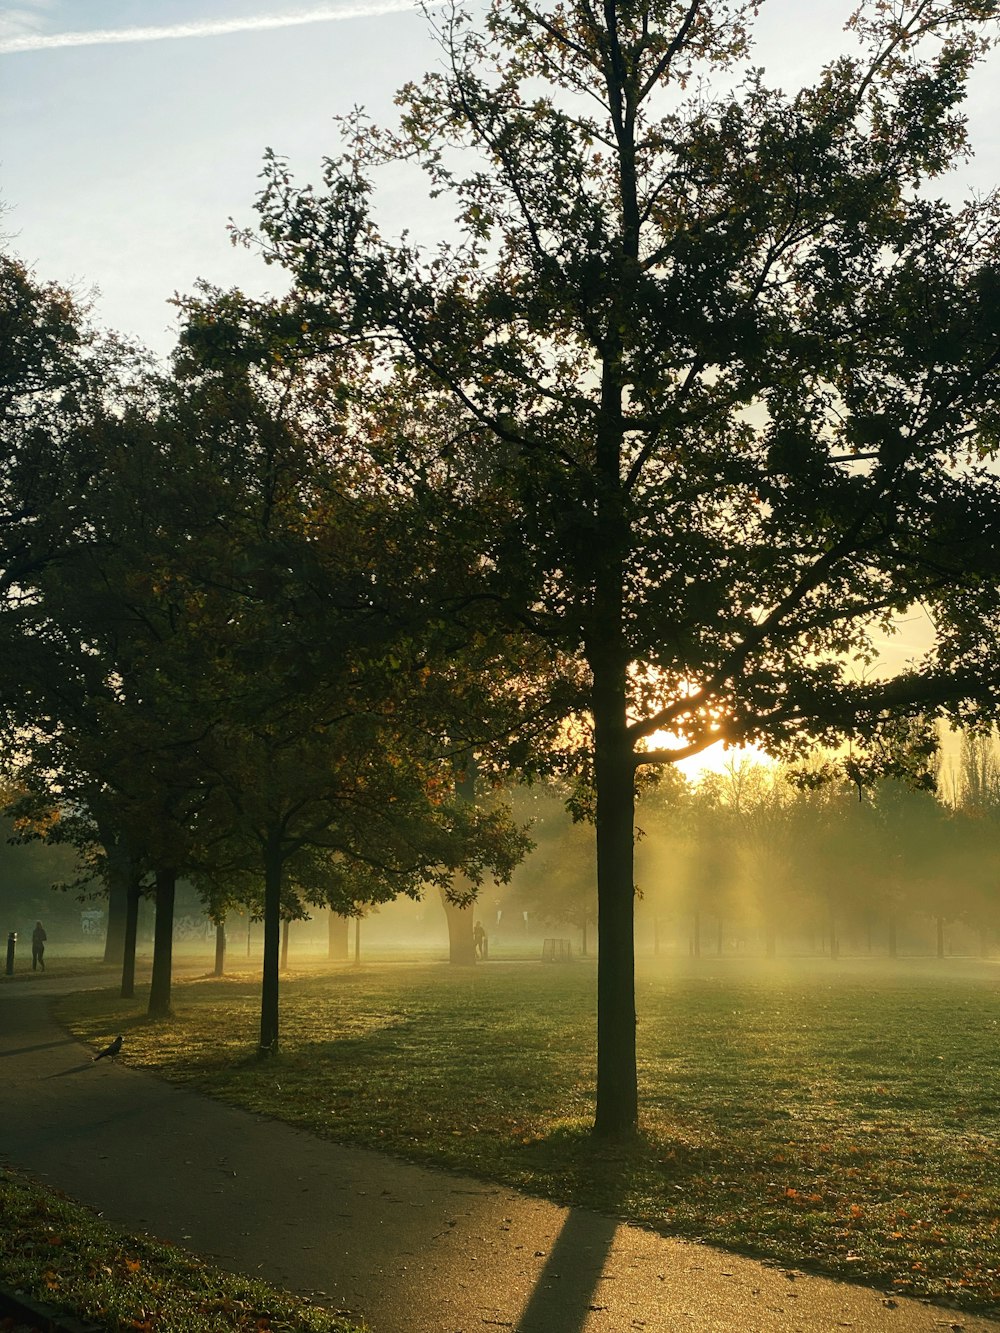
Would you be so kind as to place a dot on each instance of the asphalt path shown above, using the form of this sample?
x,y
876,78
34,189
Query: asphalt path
x,y
411,1250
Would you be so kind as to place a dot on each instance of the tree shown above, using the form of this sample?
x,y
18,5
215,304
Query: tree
x,y
715,359
313,649
61,385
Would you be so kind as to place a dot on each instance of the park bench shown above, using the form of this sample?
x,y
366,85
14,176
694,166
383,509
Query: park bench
x,y
556,951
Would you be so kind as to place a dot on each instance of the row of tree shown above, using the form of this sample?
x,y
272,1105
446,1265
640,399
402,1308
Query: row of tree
x,y
700,392
760,856
218,646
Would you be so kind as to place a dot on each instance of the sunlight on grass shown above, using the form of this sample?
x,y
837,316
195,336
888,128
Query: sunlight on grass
x,y
844,1120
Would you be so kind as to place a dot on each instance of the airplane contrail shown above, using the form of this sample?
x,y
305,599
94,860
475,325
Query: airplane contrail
x,y
208,28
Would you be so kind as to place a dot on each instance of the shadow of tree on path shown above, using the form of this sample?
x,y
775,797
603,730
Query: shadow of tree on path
x,y
567,1287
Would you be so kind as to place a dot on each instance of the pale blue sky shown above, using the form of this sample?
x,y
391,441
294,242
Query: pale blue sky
x,y
121,161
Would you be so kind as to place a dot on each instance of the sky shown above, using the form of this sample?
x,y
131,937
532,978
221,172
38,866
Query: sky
x,y
132,131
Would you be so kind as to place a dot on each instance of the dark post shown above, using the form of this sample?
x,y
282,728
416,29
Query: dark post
x,y
11,941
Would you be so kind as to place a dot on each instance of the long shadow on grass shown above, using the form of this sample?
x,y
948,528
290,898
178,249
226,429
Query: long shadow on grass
x,y
611,1178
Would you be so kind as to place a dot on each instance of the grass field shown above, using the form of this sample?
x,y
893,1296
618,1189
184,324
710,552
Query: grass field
x,y
838,1117
64,1255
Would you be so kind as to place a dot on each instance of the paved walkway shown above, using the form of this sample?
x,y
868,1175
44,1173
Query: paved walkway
x,y
410,1249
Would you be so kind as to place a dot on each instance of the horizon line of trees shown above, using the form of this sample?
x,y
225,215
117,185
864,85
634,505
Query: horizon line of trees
x,y
760,857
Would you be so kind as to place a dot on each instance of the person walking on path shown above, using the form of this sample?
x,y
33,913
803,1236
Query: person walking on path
x,y
38,938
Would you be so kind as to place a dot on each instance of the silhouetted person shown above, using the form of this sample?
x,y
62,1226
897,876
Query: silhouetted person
x,y
479,939
113,1049
38,938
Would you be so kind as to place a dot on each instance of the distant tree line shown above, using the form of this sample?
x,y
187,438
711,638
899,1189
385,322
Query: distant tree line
x,y
771,858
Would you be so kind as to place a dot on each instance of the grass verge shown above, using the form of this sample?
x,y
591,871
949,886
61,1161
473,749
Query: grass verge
x,y
842,1119
59,1252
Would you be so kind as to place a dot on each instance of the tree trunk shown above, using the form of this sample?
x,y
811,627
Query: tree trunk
x,y
273,865
357,941
583,941
617,1089
337,938
163,943
119,876
131,930
284,944
461,941
220,949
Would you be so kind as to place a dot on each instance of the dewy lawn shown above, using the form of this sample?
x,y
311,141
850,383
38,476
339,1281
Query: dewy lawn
x,y
842,1117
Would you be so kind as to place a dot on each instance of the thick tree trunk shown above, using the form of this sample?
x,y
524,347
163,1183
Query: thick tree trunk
x,y
617,1091
284,944
461,920
131,930
338,938
273,864
119,875
163,943
220,949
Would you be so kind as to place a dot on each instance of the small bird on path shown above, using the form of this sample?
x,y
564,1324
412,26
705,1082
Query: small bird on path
x,y
112,1049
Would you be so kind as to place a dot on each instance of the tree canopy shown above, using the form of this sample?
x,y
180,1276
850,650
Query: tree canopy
x,y
719,369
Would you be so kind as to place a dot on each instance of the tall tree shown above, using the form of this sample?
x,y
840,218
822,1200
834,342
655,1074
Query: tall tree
x,y
716,360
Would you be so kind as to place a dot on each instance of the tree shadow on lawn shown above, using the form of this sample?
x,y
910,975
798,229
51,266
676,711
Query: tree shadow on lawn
x,y
581,1169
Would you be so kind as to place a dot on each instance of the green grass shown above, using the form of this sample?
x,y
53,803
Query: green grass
x,y
839,1118
58,1252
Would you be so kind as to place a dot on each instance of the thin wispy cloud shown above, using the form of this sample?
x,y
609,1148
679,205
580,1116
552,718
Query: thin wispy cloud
x,y
36,41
